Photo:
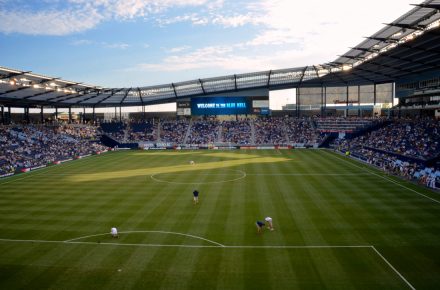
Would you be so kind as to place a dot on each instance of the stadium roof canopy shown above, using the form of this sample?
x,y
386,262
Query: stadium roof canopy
x,y
407,46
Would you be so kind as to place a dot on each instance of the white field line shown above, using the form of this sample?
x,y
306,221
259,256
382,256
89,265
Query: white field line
x,y
156,232
383,177
29,241
216,246
189,174
297,247
308,174
185,246
243,175
392,267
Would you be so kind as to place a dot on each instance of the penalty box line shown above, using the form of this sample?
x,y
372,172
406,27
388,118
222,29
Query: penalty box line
x,y
221,247
392,268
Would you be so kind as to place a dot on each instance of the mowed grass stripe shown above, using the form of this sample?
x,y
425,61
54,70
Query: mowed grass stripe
x,y
205,218
275,260
324,224
290,195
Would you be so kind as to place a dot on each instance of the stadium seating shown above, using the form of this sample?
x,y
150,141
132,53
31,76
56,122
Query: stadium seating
x,y
33,146
403,147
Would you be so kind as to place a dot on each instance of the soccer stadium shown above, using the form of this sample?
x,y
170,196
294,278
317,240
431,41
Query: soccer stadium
x,y
337,188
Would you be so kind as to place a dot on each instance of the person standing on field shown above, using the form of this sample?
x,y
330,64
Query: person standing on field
x,y
196,196
114,232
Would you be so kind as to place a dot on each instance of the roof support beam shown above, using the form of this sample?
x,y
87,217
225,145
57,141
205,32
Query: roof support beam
x,y
268,78
235,82
174,89
383,39
203,88
316,71
89,98
359,75
338,73
432,6
407,26
125,96
408,45
380,64
109,96
369,71
302,76
427,16
140,96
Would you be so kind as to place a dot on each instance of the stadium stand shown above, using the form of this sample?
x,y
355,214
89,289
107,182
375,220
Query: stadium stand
x,y
143,131
115,130
36,145
346,125
237,132
204,132
408,148
405,147
173,131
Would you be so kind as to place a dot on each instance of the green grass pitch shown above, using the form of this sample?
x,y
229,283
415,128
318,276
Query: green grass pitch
x,y
339,224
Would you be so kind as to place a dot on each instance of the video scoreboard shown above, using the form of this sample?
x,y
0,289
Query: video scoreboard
x,y
214,106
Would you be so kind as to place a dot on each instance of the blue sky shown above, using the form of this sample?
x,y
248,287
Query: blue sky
x,y
128,43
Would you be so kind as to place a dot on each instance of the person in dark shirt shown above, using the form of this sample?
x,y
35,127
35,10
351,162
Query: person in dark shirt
x,y
260,226
196,196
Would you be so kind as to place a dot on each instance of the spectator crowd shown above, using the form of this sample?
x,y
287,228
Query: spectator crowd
x,y
402,147
32,146
256,131
204,132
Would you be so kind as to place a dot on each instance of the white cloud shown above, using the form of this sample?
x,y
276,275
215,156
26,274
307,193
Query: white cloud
x,y
116,45
178,49
235,20
193,18
80,42
199,58
289,35
225,58
82,15
129,9
48,22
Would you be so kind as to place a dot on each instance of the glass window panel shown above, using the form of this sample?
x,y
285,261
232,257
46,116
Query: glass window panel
x,y
367,94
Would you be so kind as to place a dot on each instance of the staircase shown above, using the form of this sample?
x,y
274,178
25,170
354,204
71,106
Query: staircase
x,y
188,132
220,134
158,131
251,123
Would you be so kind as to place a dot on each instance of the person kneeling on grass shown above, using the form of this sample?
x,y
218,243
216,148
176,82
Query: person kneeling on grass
x,y
269,223
114,232
260,226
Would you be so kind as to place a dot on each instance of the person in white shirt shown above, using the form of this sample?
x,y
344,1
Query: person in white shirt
x,y
114,232
269,223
